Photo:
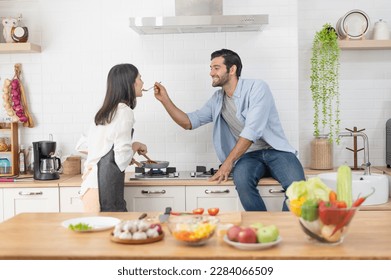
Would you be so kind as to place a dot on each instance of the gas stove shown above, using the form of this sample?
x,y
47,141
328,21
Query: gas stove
x,y
170,173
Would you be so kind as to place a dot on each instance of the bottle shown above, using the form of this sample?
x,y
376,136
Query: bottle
x,y
22,160
19,33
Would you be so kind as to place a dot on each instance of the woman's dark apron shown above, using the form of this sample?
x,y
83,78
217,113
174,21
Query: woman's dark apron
x,y
111,184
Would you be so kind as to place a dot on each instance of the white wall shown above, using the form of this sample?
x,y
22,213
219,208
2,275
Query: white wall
x,y
365,79
82,40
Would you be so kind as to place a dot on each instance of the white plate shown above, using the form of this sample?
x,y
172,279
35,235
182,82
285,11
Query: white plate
x,y
251,246
355,24
97,223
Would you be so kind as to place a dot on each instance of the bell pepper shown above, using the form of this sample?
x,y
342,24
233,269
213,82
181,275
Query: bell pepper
x,y
295,206
329,213
309,210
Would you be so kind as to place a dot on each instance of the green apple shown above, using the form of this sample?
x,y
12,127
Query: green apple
x,y
267,234
256,225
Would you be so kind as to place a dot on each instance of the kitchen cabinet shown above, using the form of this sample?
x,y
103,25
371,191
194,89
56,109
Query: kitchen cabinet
x,y
223,197
20,200
364,44
70,200
1,206
19,48
155,198
9,133
226,198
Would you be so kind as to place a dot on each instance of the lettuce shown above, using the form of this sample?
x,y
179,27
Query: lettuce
x,y
313,188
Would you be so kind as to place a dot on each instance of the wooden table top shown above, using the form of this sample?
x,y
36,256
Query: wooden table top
x,y
41,236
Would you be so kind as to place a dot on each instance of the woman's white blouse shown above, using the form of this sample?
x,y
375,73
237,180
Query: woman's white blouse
x,y
101,139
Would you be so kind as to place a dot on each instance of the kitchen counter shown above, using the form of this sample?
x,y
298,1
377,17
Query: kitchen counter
x,y
41,236
37,183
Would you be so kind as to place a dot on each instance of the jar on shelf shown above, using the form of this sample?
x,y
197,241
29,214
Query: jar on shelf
x,y
5,166
4,144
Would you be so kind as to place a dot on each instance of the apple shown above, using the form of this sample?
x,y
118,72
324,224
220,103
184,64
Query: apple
x,y
256,226
158,228
247,235
233,232
267,234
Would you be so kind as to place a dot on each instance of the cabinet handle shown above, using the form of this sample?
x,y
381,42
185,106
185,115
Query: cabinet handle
x,y
211,192
276,191
153,192
30,193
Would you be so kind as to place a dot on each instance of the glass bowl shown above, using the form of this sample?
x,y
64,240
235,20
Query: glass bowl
x,y
323,222
193,230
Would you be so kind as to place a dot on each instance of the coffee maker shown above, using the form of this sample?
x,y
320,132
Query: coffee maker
x,y
46,165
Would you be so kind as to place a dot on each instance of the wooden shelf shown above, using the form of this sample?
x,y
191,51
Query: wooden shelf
x,y
364,44
19,48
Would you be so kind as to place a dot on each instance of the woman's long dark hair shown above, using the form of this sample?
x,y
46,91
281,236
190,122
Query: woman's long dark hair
x,y
120,88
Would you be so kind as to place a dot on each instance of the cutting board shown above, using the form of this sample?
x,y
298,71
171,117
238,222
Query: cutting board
x,y
230,217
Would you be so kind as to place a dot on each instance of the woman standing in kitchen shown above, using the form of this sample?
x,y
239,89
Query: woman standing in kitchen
x,y
110,146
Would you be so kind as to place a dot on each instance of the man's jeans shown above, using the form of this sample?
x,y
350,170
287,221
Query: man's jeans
x,y
252,166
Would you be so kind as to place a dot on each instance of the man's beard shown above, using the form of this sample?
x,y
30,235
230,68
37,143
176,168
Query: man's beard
x,y
221,81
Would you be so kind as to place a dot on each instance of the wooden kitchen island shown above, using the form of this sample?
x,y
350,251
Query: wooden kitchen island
x,y
41,236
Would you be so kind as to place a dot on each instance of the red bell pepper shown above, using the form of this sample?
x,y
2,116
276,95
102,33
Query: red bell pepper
x,y
329,213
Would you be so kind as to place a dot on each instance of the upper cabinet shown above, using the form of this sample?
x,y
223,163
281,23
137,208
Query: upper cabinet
x,y
364,44
19,48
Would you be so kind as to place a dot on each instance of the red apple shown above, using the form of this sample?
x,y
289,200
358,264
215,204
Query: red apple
x,y
158,227
233,232
247,235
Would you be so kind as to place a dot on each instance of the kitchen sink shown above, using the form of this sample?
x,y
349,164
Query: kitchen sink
x,y
362,185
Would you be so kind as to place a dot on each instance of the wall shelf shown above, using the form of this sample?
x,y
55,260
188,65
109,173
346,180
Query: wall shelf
x,y
364,44
19,48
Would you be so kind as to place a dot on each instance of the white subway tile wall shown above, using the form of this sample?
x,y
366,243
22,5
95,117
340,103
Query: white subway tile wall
x,y
82,40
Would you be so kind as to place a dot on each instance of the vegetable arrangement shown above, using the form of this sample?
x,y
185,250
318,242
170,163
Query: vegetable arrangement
x,y
322,211
14,100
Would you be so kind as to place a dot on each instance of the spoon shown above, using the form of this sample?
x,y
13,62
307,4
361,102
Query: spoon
x,y
148,89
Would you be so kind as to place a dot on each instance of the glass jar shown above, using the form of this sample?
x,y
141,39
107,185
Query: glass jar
x,y
4,147
5,166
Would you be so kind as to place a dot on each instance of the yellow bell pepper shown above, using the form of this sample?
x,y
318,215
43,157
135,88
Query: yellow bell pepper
x,y
295,205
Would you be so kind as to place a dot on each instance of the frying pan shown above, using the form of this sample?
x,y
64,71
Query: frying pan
x,y
158,165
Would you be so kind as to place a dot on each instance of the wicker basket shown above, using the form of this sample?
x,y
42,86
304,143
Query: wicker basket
x,y
71,166
321,154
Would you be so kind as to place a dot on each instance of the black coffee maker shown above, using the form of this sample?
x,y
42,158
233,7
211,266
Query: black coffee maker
x,y
46,165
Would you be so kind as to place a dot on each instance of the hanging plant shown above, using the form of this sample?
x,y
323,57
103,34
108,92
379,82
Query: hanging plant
x,y
324,83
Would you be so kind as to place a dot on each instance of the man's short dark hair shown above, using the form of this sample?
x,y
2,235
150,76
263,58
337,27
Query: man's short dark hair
x,y
230,58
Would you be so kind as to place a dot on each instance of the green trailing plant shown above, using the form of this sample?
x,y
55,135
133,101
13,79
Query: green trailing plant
x,y
324,83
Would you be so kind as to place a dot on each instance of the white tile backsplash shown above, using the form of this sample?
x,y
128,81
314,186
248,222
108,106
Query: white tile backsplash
x,y
82,40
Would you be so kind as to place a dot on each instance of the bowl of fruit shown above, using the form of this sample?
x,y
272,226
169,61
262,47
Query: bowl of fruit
x,y
193,230
324,214
254,237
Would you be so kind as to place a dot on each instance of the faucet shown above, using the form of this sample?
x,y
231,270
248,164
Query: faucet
x,y
366,164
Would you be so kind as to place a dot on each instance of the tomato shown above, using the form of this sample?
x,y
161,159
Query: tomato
x,y
213,211
198,211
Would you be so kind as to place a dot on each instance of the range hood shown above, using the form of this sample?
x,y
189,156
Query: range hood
x,y
198,16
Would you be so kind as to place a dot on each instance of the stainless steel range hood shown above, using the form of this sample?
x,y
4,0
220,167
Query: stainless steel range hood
x,y
198,16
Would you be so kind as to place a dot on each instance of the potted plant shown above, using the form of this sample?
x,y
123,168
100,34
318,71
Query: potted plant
x,y
325,96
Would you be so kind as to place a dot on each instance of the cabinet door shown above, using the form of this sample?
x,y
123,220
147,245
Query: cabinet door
x,y
223,197
20,200
1,206
70,200
273,196
155,198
